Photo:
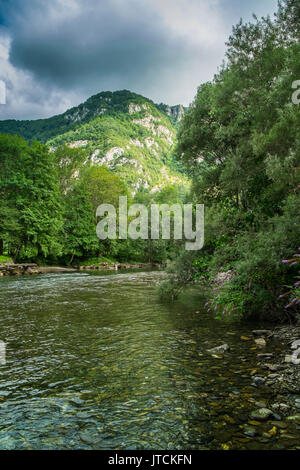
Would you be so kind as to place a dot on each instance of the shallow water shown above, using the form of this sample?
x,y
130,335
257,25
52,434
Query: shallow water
x,y
96,361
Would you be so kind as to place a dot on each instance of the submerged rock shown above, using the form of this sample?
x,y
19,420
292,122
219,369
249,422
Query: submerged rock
x,y
297,403
257,381
87,438
264,356
261,342
296,344
219,349
76,401
273,367
259,333
280,406
294,418
249,431
263,414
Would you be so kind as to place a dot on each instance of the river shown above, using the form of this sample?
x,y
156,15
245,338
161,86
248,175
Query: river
x,y
96,361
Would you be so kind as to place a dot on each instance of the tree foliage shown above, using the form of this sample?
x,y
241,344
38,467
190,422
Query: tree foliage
x,y
240,142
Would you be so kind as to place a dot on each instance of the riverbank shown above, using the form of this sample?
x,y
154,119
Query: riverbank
x,y
9,269
272,371
276,375
119,266
279,371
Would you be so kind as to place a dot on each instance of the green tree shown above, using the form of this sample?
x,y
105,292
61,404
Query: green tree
x,y
240,142
31,216
79,238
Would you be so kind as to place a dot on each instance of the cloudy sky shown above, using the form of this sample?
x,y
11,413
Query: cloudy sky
x,y
54,54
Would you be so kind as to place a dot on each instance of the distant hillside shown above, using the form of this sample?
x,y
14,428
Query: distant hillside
x,y
105,103
124,131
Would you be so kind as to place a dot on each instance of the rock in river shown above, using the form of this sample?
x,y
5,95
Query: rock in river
x,y
219,350
296,344
261,342
259,333
263,414
257,381
249,431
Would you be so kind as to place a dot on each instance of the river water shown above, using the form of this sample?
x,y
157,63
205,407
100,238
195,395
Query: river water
x,y
96,361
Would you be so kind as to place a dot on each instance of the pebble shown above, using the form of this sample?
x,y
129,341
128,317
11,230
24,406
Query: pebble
x,y
219,350
257,381
273,367
262,414
261,342
261,332
264,356
279,424
293,418
280,406
296,344
86,438
261,404
250,431
77,401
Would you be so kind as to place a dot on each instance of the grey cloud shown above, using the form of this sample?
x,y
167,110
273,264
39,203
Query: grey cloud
x,y
95,44
63,51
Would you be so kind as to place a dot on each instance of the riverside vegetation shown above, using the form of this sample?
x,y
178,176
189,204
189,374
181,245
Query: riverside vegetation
x,y
238,144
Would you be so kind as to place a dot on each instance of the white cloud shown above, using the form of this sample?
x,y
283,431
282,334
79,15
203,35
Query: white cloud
x,y
197,21
25,97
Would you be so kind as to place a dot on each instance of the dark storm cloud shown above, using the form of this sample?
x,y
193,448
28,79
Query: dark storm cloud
x,y
98,41
56,53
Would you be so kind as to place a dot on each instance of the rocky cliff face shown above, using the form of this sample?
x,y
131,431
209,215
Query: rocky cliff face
x,y
175,113
129,135
126,132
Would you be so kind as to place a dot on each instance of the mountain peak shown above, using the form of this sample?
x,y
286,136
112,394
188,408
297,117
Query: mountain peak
x,y
126,132
103,103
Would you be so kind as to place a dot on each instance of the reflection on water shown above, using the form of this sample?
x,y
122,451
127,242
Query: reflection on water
x,y
96,361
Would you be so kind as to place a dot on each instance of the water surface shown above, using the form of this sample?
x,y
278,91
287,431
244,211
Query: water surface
x,y
96,361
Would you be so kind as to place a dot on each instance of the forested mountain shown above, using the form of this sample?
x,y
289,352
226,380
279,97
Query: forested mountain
x,y
105,103
114,144
124,131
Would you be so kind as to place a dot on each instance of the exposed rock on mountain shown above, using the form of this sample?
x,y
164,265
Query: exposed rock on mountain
x,y
124,131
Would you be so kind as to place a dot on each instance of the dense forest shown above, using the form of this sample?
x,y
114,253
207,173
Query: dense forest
x,y
114,144
239,145
49,217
